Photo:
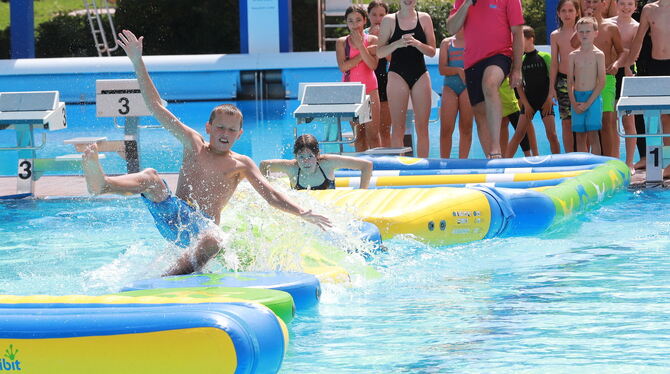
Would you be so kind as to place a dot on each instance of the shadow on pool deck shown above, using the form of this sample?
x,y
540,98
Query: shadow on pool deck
x,y
71,185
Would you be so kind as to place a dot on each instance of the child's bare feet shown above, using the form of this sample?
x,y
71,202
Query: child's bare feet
x,y
95,178
642,164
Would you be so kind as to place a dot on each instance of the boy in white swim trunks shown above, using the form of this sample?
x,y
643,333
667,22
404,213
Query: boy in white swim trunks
x,y
586,79
209,175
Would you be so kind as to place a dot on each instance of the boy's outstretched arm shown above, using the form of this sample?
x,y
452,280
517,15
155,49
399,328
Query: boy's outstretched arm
x,y
132,45
277,199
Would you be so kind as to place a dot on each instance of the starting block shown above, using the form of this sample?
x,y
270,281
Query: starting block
x,y
649,96
338,100
26,112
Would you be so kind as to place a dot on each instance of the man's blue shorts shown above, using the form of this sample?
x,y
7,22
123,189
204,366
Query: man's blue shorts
x,y
176,220
592,118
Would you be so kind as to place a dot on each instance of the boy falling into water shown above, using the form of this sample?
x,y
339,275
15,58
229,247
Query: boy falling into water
x,y
209,174
586,79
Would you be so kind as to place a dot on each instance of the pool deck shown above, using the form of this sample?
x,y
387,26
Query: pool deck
x,y
74,185
71,185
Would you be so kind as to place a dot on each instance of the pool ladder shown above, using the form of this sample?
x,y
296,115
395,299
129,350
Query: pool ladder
x,y
97,26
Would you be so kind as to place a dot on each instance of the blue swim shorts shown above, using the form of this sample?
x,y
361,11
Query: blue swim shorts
x,y
176,220
592,118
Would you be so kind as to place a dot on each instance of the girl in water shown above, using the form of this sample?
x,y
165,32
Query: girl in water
x,y
377,9
407,36
455,99
357,61
314,171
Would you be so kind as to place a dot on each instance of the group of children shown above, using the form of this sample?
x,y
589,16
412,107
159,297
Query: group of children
x,y
587,54
585,89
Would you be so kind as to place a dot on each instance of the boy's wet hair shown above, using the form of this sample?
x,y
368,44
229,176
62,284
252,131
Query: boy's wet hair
x,y
375,3
228,109
575,3
528,32
588,21
358,9
306,141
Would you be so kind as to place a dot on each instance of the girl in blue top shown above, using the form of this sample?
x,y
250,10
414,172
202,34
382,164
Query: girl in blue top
x,y
455,99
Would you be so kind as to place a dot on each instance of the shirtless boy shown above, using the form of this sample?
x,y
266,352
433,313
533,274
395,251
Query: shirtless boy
x,y
210,173
627,28
569,12
655,18
609,42
586,79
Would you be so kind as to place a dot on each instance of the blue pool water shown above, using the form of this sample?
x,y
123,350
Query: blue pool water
x,y
591,296
268,133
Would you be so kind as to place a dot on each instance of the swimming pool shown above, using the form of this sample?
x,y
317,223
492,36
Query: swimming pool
x,y
590,296
268,133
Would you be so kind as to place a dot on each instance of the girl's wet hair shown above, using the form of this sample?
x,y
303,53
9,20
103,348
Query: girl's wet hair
x,y
375,3
306,141
358,9
578,8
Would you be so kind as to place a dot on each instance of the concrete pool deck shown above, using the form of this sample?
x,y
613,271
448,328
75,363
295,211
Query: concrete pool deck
x,y
66,185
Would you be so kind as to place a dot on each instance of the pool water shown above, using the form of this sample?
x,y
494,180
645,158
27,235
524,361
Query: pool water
x,y
590,296
268,133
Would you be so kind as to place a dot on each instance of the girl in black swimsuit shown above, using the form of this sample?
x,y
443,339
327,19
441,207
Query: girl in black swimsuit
x,y
310,170
407,36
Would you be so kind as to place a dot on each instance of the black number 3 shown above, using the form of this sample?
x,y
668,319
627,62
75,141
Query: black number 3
x,y
27,170
124,104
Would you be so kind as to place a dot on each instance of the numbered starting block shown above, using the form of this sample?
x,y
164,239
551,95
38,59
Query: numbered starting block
x,y
649,96
26,112
119,98
336,100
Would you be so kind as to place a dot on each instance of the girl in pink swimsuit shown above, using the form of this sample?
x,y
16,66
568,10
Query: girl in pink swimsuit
x,y
357,59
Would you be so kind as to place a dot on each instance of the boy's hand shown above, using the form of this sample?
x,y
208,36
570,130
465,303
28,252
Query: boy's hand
x,y
131,44
322,222
581,107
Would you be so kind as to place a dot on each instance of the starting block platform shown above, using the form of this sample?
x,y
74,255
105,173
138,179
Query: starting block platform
x,y
649,96
341,101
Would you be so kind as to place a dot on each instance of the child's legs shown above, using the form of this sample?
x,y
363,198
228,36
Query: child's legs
x,y
372,128
610,138
568,136
532,140
665,122
147,182
594,140
448,111
504,133
398,95
464,125
360,144
581,142
207,247
421,100
519,134
385,124
629,129
550,130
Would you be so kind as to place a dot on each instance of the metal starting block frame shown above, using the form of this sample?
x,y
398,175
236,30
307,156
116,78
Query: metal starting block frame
x,y
339,100
649,96
120,98
25,112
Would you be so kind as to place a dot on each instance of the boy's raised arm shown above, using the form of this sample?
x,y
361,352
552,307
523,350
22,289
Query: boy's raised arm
x,y
133,48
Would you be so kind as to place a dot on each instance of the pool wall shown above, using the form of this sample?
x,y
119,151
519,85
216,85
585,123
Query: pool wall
x,y
178,77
